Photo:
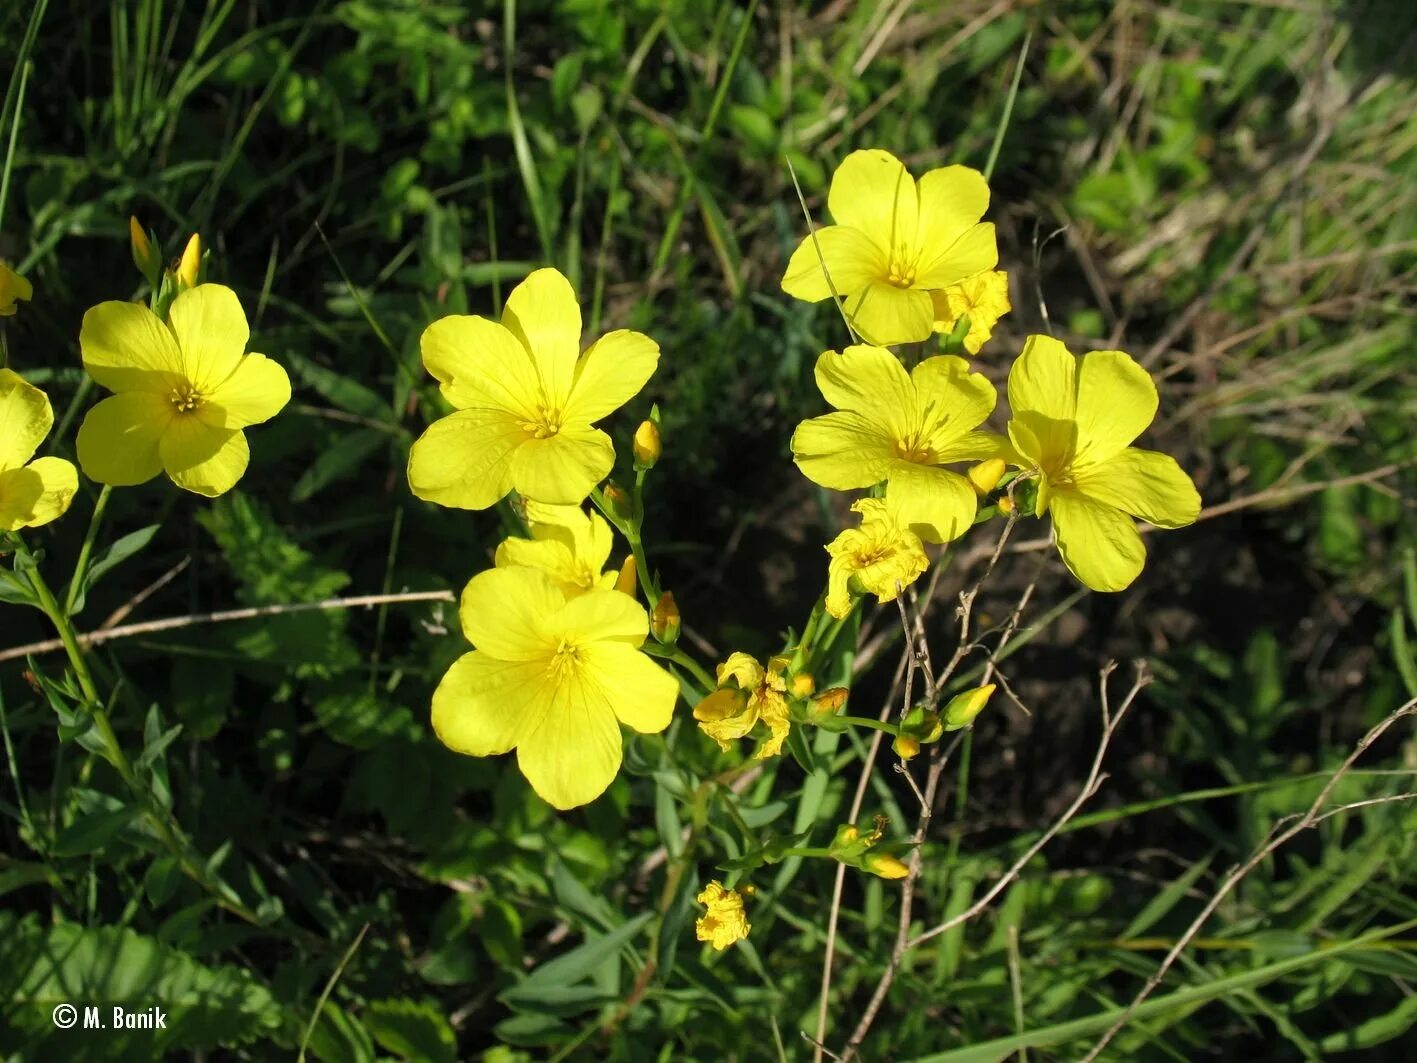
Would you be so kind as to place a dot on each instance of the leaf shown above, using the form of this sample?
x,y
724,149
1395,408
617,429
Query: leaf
x,y
411,1030
575,965
91,832
337,460
110,557
341,391
15,591
1167,899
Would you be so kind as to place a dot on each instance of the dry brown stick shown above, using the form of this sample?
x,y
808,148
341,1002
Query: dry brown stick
x,y
121,613
1276,838
173,623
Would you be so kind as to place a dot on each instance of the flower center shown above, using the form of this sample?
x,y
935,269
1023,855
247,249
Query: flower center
x,y
547,423
565,662
901,271
915,450
185,398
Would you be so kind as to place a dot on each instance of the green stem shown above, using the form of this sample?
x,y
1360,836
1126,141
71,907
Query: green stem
x,y
864,721
693,667
82,567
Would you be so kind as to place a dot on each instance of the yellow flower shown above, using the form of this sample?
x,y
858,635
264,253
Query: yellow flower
x,y
879,557
184,392
725,921
31,492
568,544
758,694
983,297
899,426
1073,421
12,287
526,399
553,678
894,242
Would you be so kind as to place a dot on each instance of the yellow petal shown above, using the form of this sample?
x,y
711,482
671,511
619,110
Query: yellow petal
x,y
126,348
118,441
574,754
639,692
739,666
480,364
484,706
509,613
211,330
952,200
25,419
543,313
549,555
37,493
1043,398
1116,400
256,391
202,459
869,381
872,191
610,374
1100,544
852,259
978,446
1145,484
607,615
563,468
883,314
842,451
464,460
974,252
12,287
953,401
935,504
773,712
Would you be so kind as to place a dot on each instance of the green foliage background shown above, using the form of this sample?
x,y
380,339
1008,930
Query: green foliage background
x,y
1234,182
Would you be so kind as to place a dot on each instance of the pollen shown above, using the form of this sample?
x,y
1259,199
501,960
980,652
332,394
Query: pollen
x,y
547,423
565,662
914,450
185,399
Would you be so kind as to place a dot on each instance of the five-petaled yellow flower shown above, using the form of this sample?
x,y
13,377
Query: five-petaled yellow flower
x,y
899,426
526,400
1074,419
894,242
31,492
567,543
747,693
552,678
984,298
880,557
12,287
184,390
726,921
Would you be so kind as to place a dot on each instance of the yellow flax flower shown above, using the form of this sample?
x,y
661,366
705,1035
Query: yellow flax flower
x,y
552,678
983,297
12,287
894,242
1074,419
879,557
726,921
899,426
567,543
184,390
526,400
31,492
747,693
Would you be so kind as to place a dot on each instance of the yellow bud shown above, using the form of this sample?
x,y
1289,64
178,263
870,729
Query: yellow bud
x,y
985,476
189,268
1006,505
646,447
846,835
138,238
962,709
626,582
664,621
803,684
906,746
829,701
884,865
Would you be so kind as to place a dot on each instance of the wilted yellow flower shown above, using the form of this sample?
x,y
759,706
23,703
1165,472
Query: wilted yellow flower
x,y
31,492
552,678
526,400
757,694
899,426
894,242
983,297
12,287
664,619
880,557
567,543
184,392
726,921
1073,421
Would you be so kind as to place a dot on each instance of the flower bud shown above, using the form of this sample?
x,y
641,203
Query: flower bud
x,y
906,746
828,703
146,257
847,834
1006,505
664,620
985,476
802,685
646,447
884,865
617,501
626,582
962,709
189,268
